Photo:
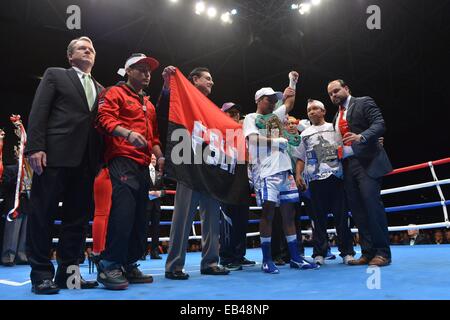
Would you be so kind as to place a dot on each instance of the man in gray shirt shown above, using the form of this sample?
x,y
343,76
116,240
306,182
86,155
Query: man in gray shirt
x,y
317,160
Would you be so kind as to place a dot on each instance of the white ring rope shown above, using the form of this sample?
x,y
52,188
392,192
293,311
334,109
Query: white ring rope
x,y
383,192
90,240
398,228
416,186
441,194
354,230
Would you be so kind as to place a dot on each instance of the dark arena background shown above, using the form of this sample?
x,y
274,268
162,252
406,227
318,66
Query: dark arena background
x,y
397,52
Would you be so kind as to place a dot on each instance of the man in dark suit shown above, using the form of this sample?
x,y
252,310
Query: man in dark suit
x,y
63,151
415,237
360,123
155,193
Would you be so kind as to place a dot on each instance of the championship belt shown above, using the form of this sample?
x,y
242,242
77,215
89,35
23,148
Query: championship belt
x,y
27,177
293,139
271,124
273,128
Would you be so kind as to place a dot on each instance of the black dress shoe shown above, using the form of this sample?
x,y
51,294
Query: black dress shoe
x,y
21,259
247,263
155,255
176,275
215,271
84,284
233,266
22,262
45,287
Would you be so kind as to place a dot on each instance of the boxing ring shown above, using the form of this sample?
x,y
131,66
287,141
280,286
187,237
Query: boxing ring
x,y
416,272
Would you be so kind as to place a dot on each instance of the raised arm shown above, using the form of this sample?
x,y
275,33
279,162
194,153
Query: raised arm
x,y
289,92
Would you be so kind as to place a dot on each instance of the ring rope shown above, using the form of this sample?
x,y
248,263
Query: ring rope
x,y
436,183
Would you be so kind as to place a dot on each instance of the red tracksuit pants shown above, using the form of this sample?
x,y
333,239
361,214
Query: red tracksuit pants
x,y
102,200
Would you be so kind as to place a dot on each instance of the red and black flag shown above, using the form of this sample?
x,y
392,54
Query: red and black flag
x,y
205,148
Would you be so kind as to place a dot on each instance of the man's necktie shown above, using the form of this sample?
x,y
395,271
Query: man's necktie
x,y
343,124
90,95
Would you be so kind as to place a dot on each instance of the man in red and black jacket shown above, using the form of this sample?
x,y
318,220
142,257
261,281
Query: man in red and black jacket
x,y
128,119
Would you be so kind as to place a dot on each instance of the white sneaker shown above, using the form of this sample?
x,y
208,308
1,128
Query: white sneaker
x,y
319,260
348,258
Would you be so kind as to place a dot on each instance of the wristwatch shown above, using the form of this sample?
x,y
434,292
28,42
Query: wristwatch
x,y
363,139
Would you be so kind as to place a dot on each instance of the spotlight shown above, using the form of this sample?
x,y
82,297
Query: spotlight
x,y
225,17
294,6
315,2
200,7
304,8
173,1
212,12
204,7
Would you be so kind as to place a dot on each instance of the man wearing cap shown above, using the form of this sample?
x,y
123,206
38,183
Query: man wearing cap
x,y
186,202
272,172
280,251
128,119
233,110
234,220
317,160
63,151
360,124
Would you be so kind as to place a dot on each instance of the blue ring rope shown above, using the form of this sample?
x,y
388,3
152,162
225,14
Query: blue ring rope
x,y
408,207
